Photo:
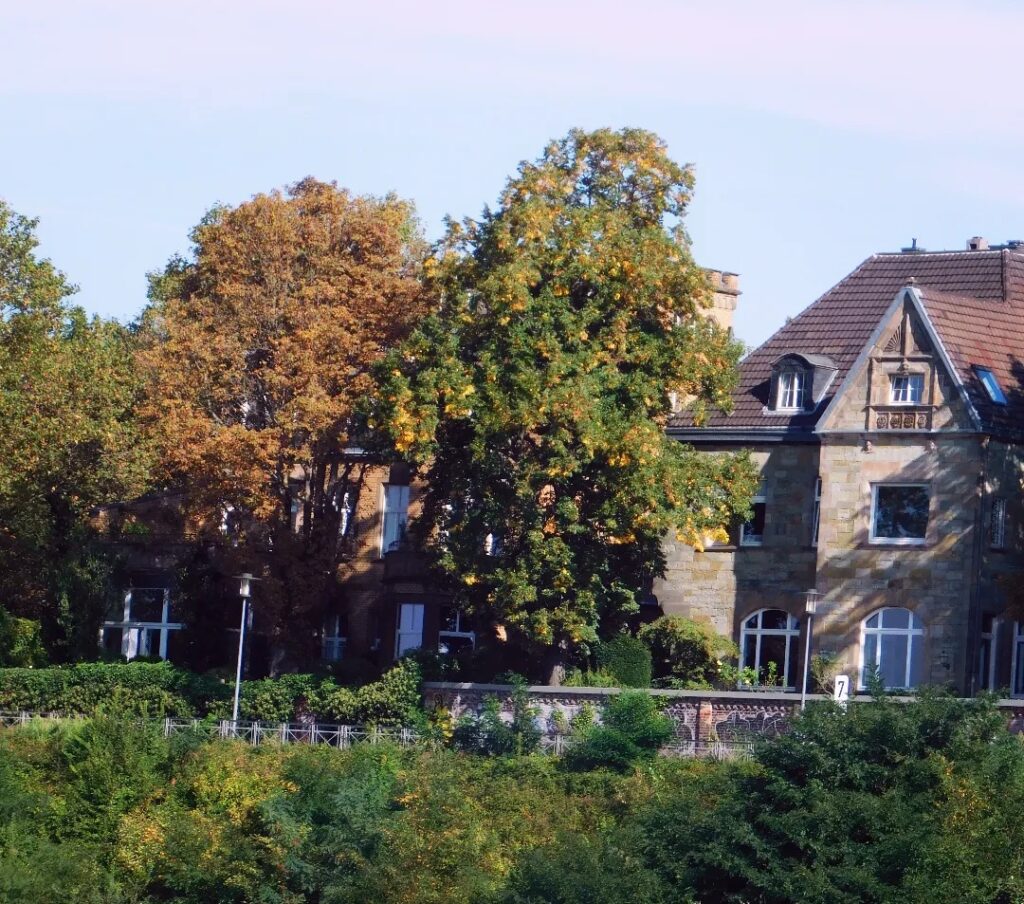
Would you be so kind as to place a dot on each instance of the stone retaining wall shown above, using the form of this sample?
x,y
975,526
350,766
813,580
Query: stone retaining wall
x,y
701,717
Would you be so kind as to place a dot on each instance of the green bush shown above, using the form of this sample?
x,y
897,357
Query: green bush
x,y
685,653
627,658
633,729
488,733
157,689
140,687
21,642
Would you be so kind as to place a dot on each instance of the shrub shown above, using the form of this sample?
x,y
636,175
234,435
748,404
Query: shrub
x,y
587,678
580,870
489,733
684,652
145,688
21,642
627,658
141,687
633,729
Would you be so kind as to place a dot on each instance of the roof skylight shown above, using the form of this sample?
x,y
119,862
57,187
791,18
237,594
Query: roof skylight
x,y
991,384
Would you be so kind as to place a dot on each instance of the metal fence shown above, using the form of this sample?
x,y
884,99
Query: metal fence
x,y
346,736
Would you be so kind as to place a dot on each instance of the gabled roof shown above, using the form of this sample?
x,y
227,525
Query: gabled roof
x,y
975,300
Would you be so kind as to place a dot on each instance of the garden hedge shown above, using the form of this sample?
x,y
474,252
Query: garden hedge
x,y
161,689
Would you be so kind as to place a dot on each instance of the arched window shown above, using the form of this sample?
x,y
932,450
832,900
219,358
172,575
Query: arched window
x,y
892,645
768,642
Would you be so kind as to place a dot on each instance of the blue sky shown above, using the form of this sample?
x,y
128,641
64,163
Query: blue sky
x,y
821,131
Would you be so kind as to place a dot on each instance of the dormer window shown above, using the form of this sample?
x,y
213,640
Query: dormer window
x,y
991,384
800,380
791,390
906,389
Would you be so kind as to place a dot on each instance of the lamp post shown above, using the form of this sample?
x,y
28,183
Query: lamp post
x,y
811,598
245,592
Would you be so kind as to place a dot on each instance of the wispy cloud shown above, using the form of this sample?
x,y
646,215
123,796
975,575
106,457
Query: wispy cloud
x,y
938,69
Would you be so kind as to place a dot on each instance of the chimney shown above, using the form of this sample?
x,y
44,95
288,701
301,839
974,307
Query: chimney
x,y
977,243
725,288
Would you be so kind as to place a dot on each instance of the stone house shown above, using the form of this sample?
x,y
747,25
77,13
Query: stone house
x,y
886,420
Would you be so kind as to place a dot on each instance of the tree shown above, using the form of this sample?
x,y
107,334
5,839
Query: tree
x,y
258,348
70,441
535,399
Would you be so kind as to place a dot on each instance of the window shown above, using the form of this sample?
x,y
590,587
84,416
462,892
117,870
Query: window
x,y
492,545
334,638
409,634
892,646
768,645
1017,667
395,512
816,523
991,384
454,635
899,513
752,533
997,524
987,653
791,390
906,389
344,508
141,624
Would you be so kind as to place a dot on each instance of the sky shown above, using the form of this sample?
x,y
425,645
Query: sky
x,y
821,131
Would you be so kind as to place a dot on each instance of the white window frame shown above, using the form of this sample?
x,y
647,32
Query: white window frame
x,y
1017,661
897,541
761,498
791,390
816,523
791,632
906,389
393,511
989,640
136,634
997,523
333,640
459,632
914,634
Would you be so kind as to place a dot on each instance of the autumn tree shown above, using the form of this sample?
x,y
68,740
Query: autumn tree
x,y
535,399
258,348
69,441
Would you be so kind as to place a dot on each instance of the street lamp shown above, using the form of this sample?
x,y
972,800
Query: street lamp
x,y
245,592
811,598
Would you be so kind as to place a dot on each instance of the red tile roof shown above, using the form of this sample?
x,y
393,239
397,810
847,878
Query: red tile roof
x,y
975,300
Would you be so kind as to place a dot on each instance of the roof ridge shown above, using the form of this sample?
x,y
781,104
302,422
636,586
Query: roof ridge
x,y
813,304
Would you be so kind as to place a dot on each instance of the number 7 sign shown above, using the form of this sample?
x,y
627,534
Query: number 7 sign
x,y
841,690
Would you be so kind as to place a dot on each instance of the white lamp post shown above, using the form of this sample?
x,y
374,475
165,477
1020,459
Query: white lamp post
x,y
245,592
811,598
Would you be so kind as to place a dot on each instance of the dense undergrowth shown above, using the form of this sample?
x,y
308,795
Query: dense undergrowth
x,y
886,802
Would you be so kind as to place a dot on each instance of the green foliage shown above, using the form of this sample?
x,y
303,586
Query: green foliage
x,y
490,734
884,802
589,678
627,658
21,642
159,688
581,870
685,653
137,687
632,729
70,442
534,400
